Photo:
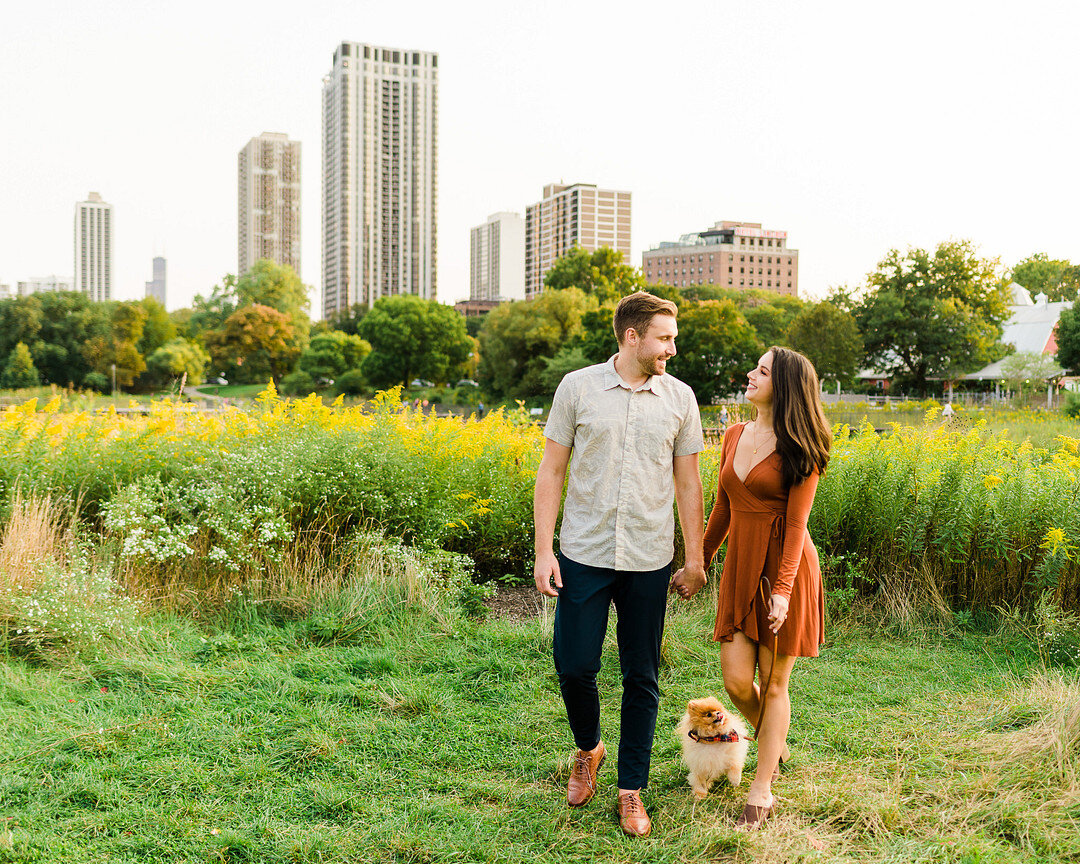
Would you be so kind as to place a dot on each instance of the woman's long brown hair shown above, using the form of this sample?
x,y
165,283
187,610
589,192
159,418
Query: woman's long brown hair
x,y
803,435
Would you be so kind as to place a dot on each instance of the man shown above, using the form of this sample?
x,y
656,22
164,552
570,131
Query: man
x,y
635,434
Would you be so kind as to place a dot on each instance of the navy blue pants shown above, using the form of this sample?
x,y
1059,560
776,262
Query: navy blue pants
x,y
581,618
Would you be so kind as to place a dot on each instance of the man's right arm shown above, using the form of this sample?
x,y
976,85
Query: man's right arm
x,y
550,477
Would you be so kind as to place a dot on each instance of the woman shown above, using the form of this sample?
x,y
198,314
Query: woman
x,y
771,608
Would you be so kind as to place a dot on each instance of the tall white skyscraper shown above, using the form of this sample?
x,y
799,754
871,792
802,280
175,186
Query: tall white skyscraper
x,y
156,287
497,258
380,157
93,247
268,215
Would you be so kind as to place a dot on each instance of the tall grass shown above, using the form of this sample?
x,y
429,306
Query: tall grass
x,y
945,516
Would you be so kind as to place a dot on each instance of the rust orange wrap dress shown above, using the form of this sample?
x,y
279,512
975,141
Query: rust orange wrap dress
x,y
765,527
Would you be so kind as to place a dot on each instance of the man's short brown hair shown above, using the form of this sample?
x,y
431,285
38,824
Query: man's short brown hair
x,y
636,311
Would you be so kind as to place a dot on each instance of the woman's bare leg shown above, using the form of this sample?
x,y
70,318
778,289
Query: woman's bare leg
x,y
772,736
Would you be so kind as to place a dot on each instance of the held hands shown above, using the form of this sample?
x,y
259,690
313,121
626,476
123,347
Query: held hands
x,y
778,610
688,580
545,571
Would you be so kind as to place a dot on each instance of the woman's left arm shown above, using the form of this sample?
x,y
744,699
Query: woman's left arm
x,y
800,500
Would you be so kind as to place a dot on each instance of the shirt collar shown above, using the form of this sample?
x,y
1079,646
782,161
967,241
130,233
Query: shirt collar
x,y
653,383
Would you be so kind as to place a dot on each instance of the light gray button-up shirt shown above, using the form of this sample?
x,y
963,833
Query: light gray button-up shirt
x,y
618,512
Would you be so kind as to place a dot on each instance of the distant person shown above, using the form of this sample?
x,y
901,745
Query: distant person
x,y
770,606
480,410
947,411
723,417
635,433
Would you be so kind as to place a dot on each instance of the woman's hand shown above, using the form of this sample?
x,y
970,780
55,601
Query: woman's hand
x,y
778,610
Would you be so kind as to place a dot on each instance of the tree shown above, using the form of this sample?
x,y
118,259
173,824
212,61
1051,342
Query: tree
x,y
119,348
1057,278
346,320
268,283
830,337
566,361
19,371
516,337
1068,339
209,313
158,329
412,337
933,315
176,358
69,320
1028,367
333,353
255,344
770,315
716,348
600,274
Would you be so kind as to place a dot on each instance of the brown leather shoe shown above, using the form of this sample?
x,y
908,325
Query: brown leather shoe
x,y
632,816
582,783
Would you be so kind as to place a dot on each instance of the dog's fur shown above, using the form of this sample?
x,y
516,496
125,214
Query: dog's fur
x,y
709,760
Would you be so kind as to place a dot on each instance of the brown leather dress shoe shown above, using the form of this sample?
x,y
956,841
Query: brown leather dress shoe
x,y
632,816
582,783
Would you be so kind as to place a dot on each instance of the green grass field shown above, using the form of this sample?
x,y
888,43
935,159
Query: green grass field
x,y
247,740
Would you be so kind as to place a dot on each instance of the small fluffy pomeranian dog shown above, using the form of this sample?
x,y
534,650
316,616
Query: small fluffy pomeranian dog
x,y
714,744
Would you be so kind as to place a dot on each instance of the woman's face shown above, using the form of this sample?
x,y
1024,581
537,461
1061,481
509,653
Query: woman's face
x,y
759,388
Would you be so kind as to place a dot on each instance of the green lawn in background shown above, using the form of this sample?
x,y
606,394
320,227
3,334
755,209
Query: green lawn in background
x,y
252,742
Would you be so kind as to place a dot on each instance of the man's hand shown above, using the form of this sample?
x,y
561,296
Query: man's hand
x,y
778,612
545,570
688,580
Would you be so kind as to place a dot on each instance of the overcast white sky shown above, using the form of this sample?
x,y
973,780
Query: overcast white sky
x,y
854,126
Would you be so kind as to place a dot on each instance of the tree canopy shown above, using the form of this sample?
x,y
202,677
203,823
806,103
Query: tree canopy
x,y
830,337
600,274
412,337
933,314
517,337
1068,340
1057,278
256,343
716,348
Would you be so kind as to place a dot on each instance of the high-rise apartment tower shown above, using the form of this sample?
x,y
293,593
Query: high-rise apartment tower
x,y
568,216
156,287
268,223
93,247
380,158
731,254
497,258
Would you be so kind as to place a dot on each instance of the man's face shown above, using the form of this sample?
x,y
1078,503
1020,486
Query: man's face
x,y
657,345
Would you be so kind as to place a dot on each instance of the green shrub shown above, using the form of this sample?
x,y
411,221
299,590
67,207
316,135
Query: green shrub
x,y
297,383
1071,408
352,383
97,381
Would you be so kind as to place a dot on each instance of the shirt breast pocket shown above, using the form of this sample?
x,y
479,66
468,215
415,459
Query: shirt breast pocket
x,y
658,438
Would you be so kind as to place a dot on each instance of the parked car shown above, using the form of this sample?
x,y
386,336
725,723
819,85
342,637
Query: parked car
x,y
466,382
420,382
219,381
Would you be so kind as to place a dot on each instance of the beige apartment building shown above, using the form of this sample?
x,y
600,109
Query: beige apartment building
x,y
268,207
730,254
575,215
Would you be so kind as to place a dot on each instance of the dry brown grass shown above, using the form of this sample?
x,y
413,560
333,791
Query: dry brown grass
x,y
37,534
353,571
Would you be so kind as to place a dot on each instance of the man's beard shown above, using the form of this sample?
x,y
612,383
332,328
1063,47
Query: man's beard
x,y
648,365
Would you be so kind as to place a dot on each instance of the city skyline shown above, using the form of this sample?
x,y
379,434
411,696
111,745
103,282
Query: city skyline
x,y
856,142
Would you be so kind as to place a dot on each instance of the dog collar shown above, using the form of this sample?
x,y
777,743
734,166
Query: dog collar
x,y
726,738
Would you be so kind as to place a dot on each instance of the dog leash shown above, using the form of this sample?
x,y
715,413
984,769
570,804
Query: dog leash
x,y
762,583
